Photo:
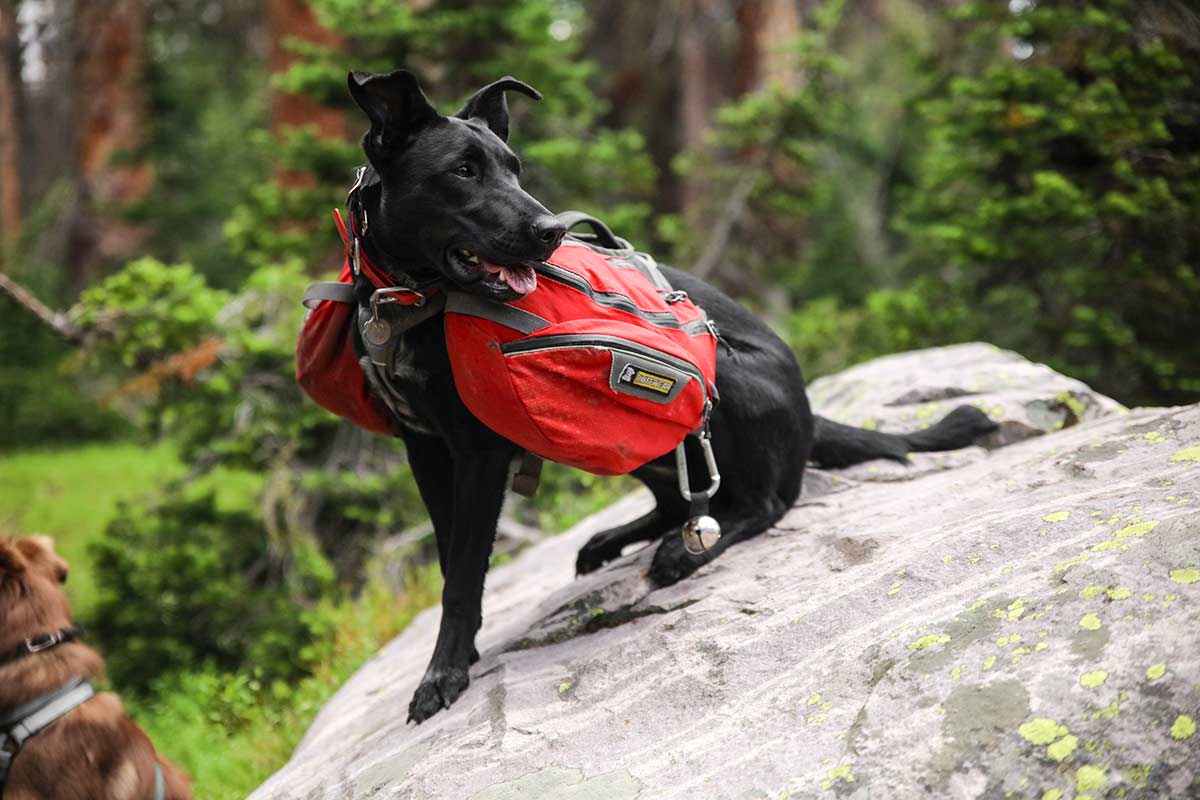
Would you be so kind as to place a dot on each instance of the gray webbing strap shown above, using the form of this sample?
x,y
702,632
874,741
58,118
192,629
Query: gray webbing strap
x,y
605,240
56,705
28,719
649,268
510,316
398,320
38,714
328,290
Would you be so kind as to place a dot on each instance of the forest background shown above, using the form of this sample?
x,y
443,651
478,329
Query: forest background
x,y
870,175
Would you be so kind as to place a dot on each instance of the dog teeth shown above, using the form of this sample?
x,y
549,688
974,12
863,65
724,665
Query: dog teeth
x,y
469,257
503,276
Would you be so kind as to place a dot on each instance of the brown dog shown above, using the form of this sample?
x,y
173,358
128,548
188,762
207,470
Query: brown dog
x,y
93,752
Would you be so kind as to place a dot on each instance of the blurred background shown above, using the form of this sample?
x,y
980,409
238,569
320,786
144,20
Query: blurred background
x,y
870,175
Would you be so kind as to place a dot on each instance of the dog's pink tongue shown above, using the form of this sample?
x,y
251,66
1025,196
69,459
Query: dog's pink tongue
x,y
520,277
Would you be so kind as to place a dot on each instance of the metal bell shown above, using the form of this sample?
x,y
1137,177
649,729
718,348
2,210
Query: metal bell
x,y
700,534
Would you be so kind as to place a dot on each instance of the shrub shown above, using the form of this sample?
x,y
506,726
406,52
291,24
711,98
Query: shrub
x,y
185,581
1061,176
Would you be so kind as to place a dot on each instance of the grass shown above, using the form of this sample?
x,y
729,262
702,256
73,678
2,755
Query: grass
x,y
72,493
229,731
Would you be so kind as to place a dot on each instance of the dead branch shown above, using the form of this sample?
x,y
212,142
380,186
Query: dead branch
x,y
56,320
731,214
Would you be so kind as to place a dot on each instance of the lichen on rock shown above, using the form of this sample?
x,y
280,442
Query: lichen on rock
x,y
1019,621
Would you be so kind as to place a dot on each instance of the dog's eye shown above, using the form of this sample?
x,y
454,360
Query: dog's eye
x,y
464,171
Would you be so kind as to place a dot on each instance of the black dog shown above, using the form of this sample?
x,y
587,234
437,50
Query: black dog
x,y
444,203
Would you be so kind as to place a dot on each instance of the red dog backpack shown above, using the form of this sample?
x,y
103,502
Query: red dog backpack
x,y
603,366
326,365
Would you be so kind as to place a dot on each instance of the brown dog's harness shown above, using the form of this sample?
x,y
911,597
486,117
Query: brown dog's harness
x,y
18,725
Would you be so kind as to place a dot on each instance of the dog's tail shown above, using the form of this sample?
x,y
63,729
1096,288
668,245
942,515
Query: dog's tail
x,y
836,445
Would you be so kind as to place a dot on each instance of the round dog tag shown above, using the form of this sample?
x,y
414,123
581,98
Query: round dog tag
x,y
377,332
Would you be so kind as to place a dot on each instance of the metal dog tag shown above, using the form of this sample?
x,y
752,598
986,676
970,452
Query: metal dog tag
x,y
377,332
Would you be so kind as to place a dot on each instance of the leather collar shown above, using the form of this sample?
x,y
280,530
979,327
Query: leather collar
x,y
45,641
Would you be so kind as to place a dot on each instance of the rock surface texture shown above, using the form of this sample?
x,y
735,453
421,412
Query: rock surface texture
x,y
1022,622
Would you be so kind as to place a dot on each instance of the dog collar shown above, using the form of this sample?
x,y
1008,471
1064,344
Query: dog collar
x,y
355,233
45,641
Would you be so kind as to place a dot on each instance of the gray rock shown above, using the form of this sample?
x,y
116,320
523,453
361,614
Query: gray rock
x,y
1024,624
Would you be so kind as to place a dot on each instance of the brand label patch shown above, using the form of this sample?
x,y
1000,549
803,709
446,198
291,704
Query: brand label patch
x,y
642,379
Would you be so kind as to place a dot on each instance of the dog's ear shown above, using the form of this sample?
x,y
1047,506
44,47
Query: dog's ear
x,y
11,562
397,108
39,552
489,105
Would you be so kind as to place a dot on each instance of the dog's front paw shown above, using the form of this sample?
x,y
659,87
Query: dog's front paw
x,y
672,562
591,558
438,689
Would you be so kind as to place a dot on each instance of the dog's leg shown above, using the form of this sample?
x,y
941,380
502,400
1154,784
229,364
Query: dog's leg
x,y
607,545
670,511
478,492
433,470
672,562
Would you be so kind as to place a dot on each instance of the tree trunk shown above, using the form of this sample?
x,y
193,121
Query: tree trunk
x,y
109,114
289,20
11,106
766,30
635,46
699,87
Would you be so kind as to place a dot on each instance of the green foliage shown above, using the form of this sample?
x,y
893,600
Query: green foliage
x,y
565,496
1030,177
829,336
818,156
1069,180
42,399
215,372
183,581
232,730
571,161
146,312
206,98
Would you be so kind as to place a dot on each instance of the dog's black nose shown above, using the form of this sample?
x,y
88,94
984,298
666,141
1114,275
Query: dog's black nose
x,y
549,231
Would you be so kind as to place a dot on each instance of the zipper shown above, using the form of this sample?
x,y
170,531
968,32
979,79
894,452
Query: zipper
x,y
663,319
571,340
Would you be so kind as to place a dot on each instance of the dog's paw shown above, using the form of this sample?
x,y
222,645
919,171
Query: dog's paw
x,y
672,562
591,558
438,690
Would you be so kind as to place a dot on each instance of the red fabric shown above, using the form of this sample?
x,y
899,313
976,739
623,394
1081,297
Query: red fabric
x,y
327,368
326,364
559,403
556,403
375,275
